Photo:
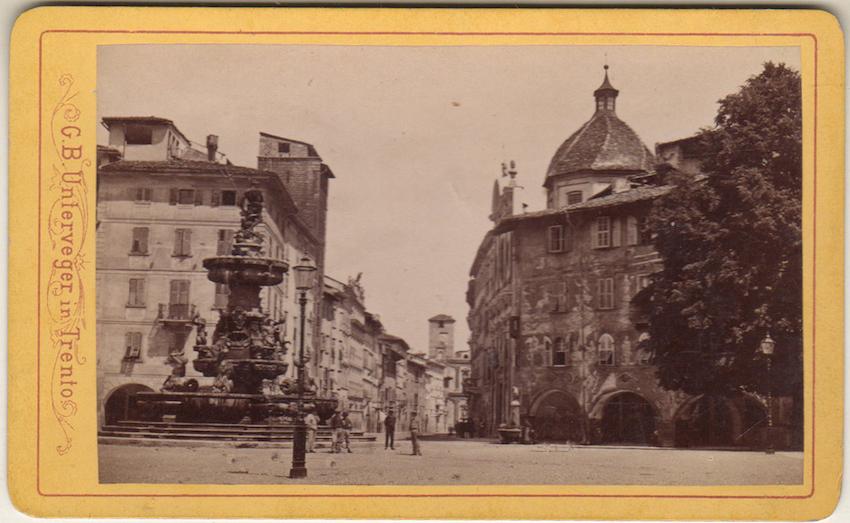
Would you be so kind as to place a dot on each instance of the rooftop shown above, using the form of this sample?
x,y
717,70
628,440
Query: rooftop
x,y
645,192
182,167
442,317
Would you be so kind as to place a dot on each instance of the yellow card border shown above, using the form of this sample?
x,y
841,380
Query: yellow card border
x,y
53,124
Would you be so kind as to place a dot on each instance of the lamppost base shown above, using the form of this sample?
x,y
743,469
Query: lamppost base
x,y
298,473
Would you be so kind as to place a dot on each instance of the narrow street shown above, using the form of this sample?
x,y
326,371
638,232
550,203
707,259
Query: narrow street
x,y
467,462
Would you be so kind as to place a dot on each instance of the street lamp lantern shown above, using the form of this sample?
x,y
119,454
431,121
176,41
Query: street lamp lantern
x,y
767,345
304,273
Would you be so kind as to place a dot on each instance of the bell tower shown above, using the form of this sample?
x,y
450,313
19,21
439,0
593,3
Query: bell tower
x,y
441,337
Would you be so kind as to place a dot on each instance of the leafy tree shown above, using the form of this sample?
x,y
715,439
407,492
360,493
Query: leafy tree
x,y
731,242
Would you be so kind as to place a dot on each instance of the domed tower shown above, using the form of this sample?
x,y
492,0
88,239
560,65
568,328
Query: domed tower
x,y
603,152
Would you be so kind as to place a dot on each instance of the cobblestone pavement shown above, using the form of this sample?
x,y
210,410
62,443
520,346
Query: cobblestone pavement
x,y
458,462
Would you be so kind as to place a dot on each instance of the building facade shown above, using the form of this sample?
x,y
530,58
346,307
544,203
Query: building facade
x,y
163,206
550,296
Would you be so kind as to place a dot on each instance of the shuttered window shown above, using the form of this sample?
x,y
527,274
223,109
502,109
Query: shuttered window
x,y
137,292
606,293
178,304
182,242
602,236
133,343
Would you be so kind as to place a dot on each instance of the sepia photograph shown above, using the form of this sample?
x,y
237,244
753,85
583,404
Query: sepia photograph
x,y
449,265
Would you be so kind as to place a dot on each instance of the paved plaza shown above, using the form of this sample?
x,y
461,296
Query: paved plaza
x,y
453,462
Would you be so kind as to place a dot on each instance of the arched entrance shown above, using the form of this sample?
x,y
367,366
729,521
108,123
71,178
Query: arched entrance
x,y
120,404
707,421
557,417
628,418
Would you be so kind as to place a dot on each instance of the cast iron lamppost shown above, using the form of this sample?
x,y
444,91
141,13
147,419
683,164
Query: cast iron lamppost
x,y
767,345
303,283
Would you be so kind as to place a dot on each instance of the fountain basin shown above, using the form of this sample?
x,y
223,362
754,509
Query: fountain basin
x,y
244,270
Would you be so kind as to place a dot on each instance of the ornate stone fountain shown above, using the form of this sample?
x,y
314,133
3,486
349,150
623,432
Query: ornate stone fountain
x,y
247,349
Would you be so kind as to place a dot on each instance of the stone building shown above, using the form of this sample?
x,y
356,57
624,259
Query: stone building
x,y
550,303
163,206
348,364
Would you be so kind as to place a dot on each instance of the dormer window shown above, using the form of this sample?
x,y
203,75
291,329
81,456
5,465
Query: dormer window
x,y
138,135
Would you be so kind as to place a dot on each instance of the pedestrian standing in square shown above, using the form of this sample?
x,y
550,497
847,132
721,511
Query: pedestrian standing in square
x,y
336,431
346,430
389,425
312,423
414,434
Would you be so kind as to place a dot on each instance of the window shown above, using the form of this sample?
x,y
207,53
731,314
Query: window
x,y
178,301
559,353
283,147
225,242
139,244
186,196
228,198
574,197
143,195
643,282
644,354
133,343
603,232
222,291
643,235
138,135
606,350
559,297
182,242
137,292
606,293
556,238
610,103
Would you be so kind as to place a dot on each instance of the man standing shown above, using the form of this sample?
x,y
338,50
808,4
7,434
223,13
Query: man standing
x,y
414,434
336,431
312,423
346,430
389,425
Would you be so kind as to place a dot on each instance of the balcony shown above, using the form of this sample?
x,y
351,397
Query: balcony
x,y
178,314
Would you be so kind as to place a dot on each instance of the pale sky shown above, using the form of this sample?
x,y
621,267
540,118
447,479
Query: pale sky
x,y
416,135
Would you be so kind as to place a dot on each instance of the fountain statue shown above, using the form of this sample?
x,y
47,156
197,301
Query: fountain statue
x,y
245,354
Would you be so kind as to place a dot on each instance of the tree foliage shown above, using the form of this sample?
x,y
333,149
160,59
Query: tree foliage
x,y
731,243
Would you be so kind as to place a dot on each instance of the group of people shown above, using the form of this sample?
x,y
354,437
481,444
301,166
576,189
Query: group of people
x,y
341,431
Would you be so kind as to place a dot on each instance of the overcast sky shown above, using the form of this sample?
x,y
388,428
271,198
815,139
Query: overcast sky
x,y
416,135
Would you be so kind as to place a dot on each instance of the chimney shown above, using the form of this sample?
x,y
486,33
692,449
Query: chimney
x,y
212,147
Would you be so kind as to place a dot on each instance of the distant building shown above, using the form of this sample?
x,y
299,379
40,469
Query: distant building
x,y
550,304
163,206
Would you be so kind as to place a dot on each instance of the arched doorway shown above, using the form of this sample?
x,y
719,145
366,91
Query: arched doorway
x,y
557,417
707,421
121,405
628,418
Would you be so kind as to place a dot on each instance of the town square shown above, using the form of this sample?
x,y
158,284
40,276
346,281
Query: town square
x,y
419,270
